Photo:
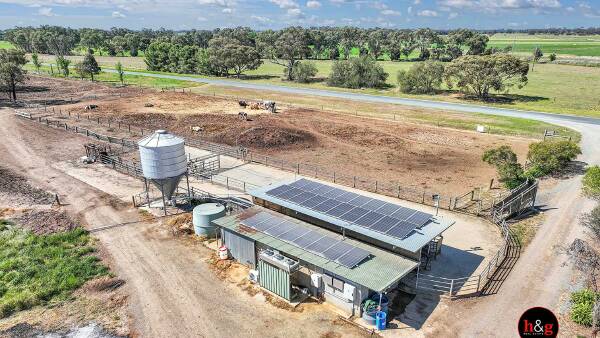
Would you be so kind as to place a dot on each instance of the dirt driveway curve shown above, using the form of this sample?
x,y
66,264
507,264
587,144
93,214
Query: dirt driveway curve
x,y
172,291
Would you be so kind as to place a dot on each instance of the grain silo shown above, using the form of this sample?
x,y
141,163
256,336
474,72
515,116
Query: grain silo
x,y
163,161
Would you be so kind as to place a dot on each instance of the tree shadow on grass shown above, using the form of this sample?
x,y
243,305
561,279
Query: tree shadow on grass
x,y
504,98
572,169
254,77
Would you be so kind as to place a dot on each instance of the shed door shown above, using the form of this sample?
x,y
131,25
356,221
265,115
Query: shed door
x,y
274,279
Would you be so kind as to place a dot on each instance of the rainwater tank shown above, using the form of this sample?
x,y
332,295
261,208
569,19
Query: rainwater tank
x,y
202,218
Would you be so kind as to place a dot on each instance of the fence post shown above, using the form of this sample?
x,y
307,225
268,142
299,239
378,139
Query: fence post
x,y
334,177
478,282
451,287
398,190
227,181
376,184
298,170
354,182
423,196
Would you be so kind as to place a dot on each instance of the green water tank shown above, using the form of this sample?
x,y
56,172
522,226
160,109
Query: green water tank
x,y
202,218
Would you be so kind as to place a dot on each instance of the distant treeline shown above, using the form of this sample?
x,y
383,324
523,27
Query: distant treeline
x,y
324,42
549,31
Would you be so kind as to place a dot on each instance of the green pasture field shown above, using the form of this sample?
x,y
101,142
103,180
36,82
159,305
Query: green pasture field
x,y
6,45
558,44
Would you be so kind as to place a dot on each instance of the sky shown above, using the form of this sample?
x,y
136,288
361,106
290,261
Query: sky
x,y
274,14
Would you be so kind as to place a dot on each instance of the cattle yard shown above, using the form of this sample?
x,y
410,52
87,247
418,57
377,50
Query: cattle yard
x,y
299,170
440,160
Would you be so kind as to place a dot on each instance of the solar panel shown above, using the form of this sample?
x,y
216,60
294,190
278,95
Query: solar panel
x,y
419,218
340,210
310,240
279,190
334,193
354,214
312,186
280,228
314,201
291,192
256,219
337,250
348,196
300,198
326,205
296,232
384,224
369,219
373,204
401,229
353,257
403,213
300,183
388,208
359,201
307,239
322,244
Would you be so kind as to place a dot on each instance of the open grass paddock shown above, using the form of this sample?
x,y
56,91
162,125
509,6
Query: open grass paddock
x,y
558,44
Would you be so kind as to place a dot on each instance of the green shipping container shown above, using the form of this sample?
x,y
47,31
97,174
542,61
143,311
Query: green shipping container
x,y
274,279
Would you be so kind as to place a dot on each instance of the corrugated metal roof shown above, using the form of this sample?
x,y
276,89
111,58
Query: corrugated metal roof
x,y
413,242
377,273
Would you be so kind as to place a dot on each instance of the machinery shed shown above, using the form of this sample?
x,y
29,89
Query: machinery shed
x,y
387,225
344,281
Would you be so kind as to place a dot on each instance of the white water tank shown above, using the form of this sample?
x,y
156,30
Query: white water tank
x,y
162,155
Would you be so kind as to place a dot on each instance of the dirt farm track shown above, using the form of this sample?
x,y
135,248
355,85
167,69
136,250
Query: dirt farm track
x,y
442,160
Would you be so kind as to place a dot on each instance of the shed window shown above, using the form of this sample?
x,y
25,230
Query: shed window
x,y
338,284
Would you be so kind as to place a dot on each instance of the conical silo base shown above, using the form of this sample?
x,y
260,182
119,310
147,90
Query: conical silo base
x,y
167,185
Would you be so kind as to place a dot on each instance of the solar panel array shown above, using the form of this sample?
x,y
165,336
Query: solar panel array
x,y
377,215
310,240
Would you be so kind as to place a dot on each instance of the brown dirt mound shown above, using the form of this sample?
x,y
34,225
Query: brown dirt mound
x,y
181,224
272,137
43,222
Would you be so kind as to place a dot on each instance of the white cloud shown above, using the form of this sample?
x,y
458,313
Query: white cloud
x,y
313,4
220,3
390,12
295,12
46,11
227,10
588,11
417,2
201,19
409,10
261,19
501,4
118,15
428,13
285,4
452,15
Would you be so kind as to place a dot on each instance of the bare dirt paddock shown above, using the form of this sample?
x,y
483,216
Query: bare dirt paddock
x,y
422,157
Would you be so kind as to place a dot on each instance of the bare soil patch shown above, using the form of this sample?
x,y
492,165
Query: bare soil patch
x,y
16,190
43,222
